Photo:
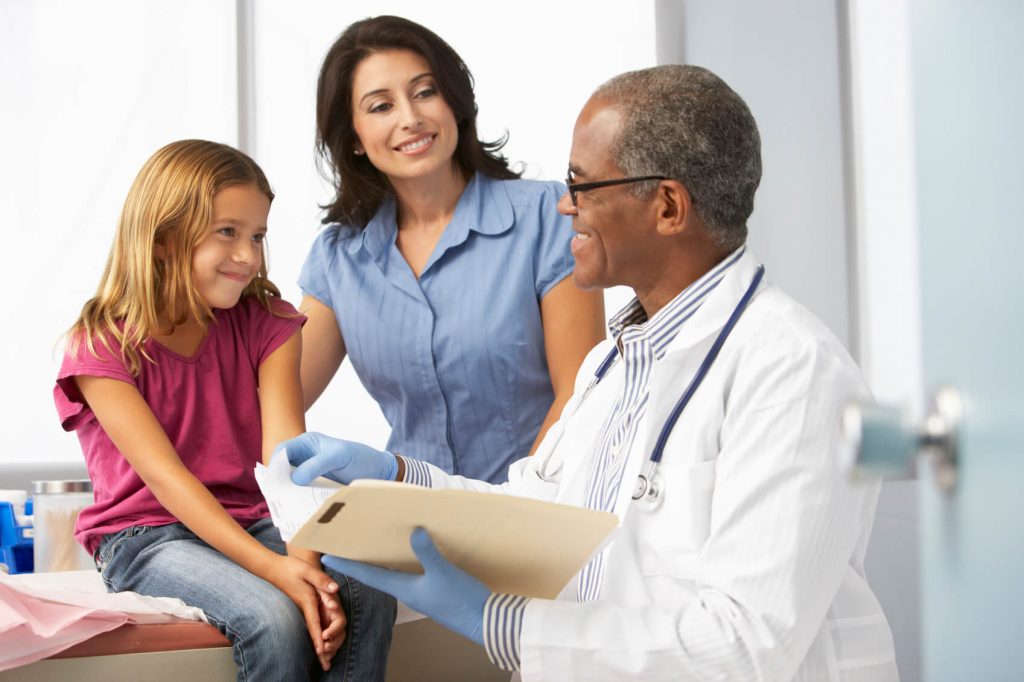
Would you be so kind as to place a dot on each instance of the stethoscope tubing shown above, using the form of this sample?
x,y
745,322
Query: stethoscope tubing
x,y
705,367
646,488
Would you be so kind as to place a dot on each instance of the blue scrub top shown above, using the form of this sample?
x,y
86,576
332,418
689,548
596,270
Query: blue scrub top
x,y
455,359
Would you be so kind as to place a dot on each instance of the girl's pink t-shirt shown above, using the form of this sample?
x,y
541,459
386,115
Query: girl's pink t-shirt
x,y
208,405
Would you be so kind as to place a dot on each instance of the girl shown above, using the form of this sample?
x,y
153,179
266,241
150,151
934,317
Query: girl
x,y
180,371
441,274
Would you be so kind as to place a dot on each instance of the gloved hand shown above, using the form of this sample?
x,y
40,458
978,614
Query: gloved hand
x,y
339,460
449,595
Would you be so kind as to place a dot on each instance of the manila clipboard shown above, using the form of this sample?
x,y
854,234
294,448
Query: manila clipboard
x,y
512,544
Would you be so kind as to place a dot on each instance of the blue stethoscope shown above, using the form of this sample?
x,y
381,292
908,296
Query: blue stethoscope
x,y
648,489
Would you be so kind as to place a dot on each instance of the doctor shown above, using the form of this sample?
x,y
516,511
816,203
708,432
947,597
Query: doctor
x,y
708,424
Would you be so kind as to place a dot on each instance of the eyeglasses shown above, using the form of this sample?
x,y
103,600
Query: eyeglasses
x,y
575,187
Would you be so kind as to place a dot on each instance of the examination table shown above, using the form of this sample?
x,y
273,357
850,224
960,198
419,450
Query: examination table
x,y
196,652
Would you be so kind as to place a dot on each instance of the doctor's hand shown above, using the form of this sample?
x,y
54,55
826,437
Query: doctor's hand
x,y
445,593
339,460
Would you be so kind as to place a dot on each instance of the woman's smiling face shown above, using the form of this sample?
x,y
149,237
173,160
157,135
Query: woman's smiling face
x,y
403,124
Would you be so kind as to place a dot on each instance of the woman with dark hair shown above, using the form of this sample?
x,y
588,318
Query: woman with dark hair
x,y
441,274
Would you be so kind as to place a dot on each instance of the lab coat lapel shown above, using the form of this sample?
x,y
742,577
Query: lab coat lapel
x,y
673,373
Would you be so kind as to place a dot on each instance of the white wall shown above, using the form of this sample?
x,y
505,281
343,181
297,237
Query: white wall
x,y
89,91
784,59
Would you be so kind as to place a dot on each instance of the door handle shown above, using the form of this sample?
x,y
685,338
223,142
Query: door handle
x,y
880,440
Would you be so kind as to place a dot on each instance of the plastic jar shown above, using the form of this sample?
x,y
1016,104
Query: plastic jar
x,y
55,507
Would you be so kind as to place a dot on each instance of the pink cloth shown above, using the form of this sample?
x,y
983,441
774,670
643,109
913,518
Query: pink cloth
x,y
42,617
208,405
32,629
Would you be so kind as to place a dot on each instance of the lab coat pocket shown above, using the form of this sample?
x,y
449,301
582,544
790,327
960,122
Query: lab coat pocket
x,y
672,535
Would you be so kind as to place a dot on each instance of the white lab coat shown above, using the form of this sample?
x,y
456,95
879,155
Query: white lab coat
x,y
752,567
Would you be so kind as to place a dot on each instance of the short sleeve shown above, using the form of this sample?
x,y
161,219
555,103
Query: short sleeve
x,y
267,331
71,406
554,261
314,277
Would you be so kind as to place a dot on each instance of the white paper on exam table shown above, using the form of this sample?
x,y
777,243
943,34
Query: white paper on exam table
x,y
514,545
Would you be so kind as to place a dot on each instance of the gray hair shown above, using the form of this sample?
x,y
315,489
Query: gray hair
x,y
685,123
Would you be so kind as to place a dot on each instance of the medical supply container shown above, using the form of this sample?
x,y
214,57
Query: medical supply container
x,y
15,532
56,505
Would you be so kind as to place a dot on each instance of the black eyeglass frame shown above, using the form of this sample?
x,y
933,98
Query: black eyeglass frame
x,y
576,187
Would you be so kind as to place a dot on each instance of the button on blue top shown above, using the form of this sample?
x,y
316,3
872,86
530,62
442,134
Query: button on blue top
x,y
455,359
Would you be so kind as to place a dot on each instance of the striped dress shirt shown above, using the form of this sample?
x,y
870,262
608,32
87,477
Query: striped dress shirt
x,y
641,343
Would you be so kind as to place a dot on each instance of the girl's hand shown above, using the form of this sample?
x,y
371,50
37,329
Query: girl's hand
x,y
332,617
310,589
333,621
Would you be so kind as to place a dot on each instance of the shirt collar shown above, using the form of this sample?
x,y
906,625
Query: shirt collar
x,y
666,323
379,232
483,207
630,315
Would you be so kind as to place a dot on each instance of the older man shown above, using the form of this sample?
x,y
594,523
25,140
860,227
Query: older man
x,y
708,424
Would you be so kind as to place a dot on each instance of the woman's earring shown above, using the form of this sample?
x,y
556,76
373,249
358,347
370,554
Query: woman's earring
x,y
358,151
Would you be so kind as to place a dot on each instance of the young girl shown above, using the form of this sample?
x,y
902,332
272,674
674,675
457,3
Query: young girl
x,y
178,374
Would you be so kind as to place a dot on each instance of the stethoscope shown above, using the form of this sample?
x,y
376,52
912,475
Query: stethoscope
x,y
649,487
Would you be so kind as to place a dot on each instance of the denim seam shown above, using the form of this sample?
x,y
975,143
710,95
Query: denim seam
x,y
236,643
355,601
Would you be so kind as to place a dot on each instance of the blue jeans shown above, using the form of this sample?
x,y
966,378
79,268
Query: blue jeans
x,y
267,631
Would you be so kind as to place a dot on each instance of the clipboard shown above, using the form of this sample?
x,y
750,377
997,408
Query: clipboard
x,y
513,545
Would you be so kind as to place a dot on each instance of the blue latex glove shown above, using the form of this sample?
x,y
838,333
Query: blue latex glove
x,y
445,593
339,460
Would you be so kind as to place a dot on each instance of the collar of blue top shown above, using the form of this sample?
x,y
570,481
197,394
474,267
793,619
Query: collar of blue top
x,y
484,207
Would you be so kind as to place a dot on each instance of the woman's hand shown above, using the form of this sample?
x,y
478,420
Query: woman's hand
x,y
314,592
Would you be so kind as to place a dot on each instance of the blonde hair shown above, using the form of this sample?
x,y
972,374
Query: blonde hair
x,y
169,204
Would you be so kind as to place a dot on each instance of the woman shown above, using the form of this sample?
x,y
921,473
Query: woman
x,y
441,274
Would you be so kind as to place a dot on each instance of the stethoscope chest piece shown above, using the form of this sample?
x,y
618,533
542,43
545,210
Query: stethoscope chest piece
x,y
649,490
